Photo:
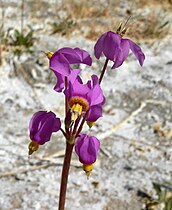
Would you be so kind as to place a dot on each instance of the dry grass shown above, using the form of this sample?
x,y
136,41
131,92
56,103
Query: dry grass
x,y
84,9
98,18
163,3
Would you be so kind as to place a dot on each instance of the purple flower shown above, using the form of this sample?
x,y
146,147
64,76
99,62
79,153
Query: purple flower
x,y
87,148
60,64
61,60
42,125
60,79
116,49
85,98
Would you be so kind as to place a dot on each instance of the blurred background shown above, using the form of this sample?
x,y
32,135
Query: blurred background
x,y
134,168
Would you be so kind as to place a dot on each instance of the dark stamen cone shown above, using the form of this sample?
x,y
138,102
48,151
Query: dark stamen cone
x,y
33,146
88,169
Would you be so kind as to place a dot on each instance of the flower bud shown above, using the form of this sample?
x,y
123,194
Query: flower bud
x,y
41,127
87,148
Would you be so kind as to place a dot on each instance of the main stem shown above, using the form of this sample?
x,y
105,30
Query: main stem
x,y
64,176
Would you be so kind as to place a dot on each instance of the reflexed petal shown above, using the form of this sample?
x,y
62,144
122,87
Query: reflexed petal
x,y
57,125
60,64
60,82
79,143
137,52
95,79
98,48
79,89
86,148
111,43
34,122
73,75
60,79
44,133
84,55
125,46
119,59
76,55
42,125
94,113
95,95
71,55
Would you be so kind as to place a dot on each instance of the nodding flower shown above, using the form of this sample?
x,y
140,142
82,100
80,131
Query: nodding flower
x,y
60,64
115,48
85,98
86,148
41,127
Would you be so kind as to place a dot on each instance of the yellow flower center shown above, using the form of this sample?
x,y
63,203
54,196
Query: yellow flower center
x,y
33,146
77,105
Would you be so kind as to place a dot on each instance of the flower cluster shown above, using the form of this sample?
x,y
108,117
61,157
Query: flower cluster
x,y
83,102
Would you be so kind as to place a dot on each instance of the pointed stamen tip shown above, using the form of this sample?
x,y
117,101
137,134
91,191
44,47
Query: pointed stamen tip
x,y
119,28
88,169
48,54
90,124
33,146
123,32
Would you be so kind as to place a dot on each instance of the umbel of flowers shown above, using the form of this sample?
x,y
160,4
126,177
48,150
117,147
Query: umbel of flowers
x,y
83,102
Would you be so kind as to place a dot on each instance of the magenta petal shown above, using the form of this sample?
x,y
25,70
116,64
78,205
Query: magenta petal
x,y
137,52
125,46
44,133
84,56
98,48
95,95
60,64
71,55
34,122
76,55
87,148
60,79
60,82
41,126
111,43
122,54
78,89
73,75
119,59
57,125
94,113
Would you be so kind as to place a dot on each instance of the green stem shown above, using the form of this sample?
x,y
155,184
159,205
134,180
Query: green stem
x,y
64,175
103,70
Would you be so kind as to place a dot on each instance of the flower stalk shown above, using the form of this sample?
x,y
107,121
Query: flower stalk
x,y
65,174
103,70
